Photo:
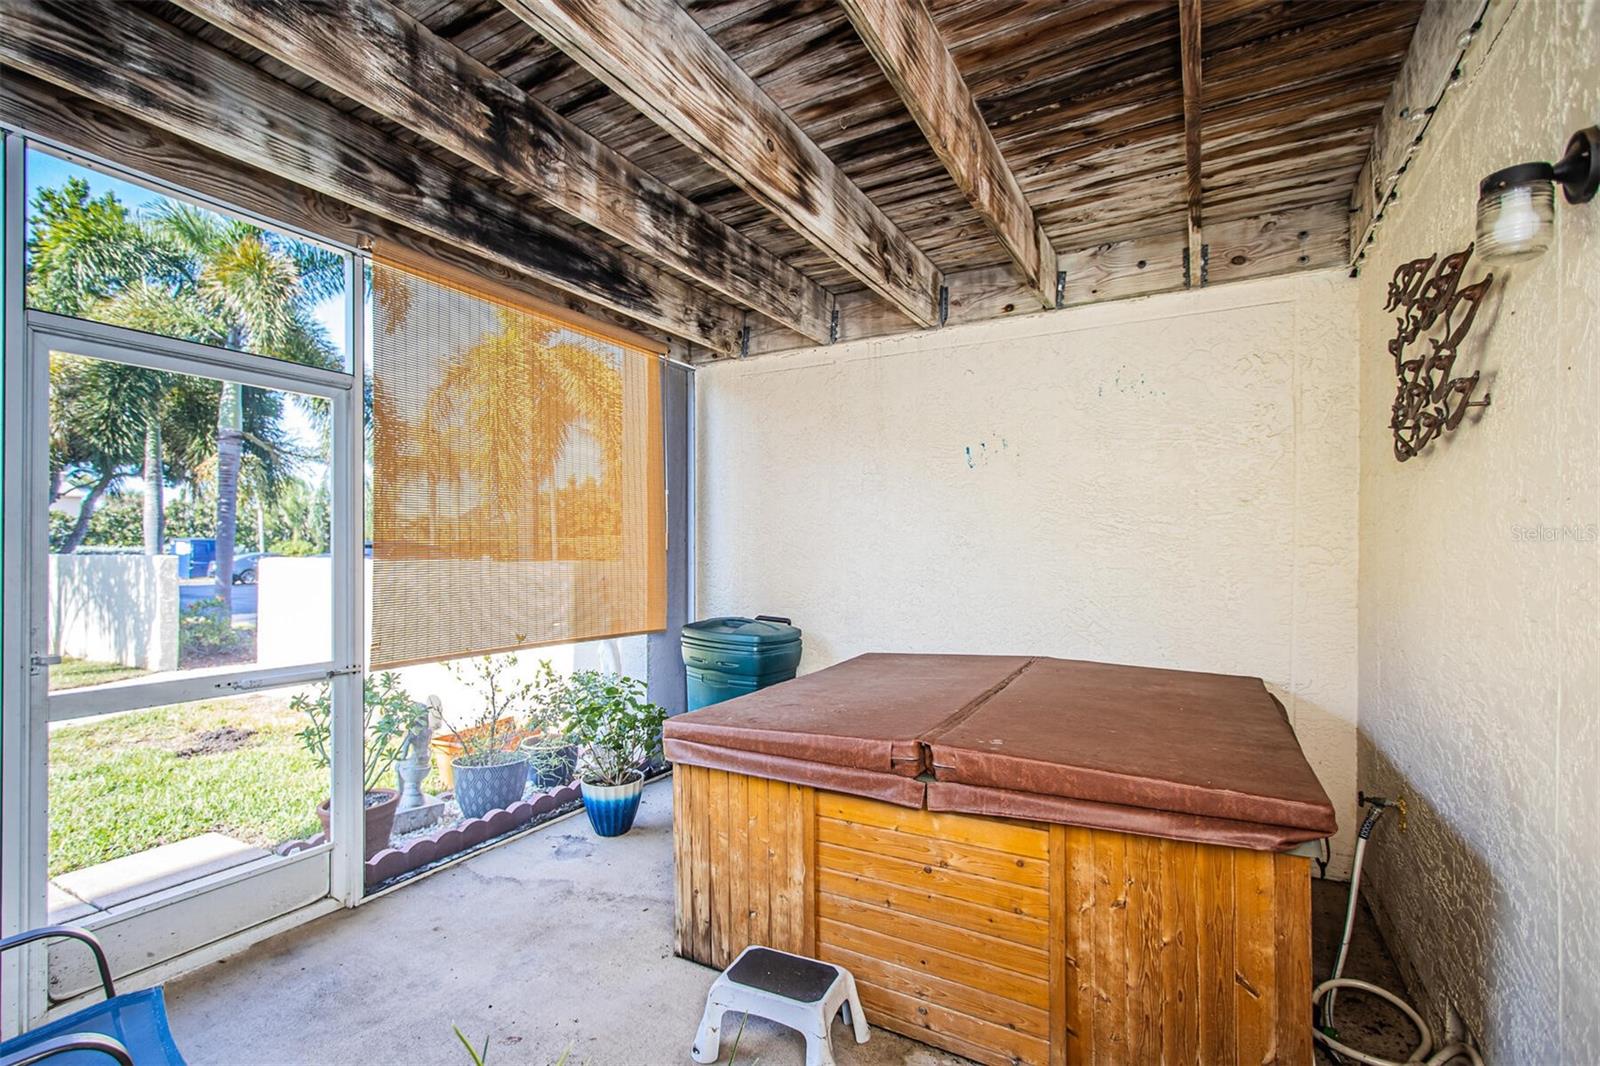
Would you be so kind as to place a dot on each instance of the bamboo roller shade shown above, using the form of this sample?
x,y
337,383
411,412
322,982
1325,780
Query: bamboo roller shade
x,y
517,482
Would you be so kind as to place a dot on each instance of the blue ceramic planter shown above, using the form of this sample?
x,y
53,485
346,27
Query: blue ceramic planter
x,y
481,789
611,808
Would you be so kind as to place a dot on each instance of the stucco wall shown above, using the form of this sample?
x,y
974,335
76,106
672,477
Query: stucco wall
x,y
1479,560
1168,481
115,608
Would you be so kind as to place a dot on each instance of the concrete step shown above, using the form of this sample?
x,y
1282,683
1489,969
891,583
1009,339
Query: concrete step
x,y
122,880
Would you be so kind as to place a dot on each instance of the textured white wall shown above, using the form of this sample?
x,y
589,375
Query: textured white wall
x,y
115,608
1480,619
1167,482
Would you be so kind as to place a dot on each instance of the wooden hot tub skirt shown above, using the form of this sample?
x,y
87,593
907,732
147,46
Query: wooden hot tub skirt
x,y
1001,940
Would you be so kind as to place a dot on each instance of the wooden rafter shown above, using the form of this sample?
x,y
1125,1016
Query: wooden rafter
x,y
902,37
1301,239
1441,37
1193,194
379,56
653,54
96,128
117,54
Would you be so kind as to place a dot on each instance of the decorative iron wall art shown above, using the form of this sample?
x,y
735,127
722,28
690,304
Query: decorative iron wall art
x,y
1427,400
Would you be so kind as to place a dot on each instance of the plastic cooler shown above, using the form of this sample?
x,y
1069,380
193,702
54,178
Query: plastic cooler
x,y
728,657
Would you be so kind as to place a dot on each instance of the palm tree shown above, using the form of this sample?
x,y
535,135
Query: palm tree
x,y
181,271
260,291
507,408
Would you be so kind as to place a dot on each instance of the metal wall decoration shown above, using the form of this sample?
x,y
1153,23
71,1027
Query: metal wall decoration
x,y
1427,399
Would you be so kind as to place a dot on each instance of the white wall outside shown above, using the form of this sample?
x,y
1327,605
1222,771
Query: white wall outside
x,y
1480,578
115,609
294,618
1164,482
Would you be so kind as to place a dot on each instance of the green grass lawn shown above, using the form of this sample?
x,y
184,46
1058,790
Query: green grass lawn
x,y
119,786
76,673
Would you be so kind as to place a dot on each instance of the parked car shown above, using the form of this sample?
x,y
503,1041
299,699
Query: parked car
x,y
244,567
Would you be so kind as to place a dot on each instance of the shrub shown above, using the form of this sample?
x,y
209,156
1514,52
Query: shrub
x,y
205,627
391,717
485,740
292,548
614,726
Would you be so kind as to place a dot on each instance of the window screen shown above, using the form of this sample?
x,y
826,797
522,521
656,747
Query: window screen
x,y
517,493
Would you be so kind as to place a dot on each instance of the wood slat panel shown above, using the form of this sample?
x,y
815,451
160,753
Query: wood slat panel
x,y
1180,952
947,854
998,923
1014,838
722,895
1255,976
1292,913
1023,959
1133,950
1031,990
1060,979
976,1039
759,862
740,846
889,972
1025,900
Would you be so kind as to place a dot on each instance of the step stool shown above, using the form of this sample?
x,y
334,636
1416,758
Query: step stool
x,y
802,993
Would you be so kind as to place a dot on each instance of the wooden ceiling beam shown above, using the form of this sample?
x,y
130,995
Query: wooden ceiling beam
x,y
654,54
1305,238
902,37
97,129
1438,45
379,56
118,55
1194,196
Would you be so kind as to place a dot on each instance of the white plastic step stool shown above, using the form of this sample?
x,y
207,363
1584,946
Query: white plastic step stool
x,y
792,990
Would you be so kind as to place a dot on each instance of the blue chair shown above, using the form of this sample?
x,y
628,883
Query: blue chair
x,y
130,1029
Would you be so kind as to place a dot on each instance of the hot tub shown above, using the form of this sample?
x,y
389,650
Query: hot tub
x,y
1021,859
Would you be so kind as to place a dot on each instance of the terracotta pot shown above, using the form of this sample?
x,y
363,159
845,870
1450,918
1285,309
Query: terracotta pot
x,y
379,821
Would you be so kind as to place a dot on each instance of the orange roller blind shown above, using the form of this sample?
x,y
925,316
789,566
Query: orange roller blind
x,y
517,475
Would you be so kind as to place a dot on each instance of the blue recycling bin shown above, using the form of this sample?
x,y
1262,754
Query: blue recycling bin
x,y
195,555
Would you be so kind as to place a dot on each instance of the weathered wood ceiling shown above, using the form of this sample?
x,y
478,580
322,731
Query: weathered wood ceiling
x,y
1085,101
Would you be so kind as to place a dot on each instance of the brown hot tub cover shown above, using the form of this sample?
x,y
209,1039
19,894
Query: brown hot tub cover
x,y
1168,753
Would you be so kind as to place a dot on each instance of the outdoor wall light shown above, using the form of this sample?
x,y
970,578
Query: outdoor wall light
x,y
1516,206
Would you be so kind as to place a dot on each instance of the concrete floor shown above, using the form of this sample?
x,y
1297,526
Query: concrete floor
x,y
558,943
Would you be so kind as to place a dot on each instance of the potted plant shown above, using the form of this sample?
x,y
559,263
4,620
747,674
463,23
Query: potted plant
x,y
552,755
616,730
390,716
491,772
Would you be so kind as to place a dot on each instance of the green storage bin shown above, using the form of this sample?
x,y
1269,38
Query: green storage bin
x,y
728,657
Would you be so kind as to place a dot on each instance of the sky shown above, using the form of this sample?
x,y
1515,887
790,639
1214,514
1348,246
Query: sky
x,y
46,171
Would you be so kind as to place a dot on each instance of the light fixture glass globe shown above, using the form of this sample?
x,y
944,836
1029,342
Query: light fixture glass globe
x,y
1516,222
